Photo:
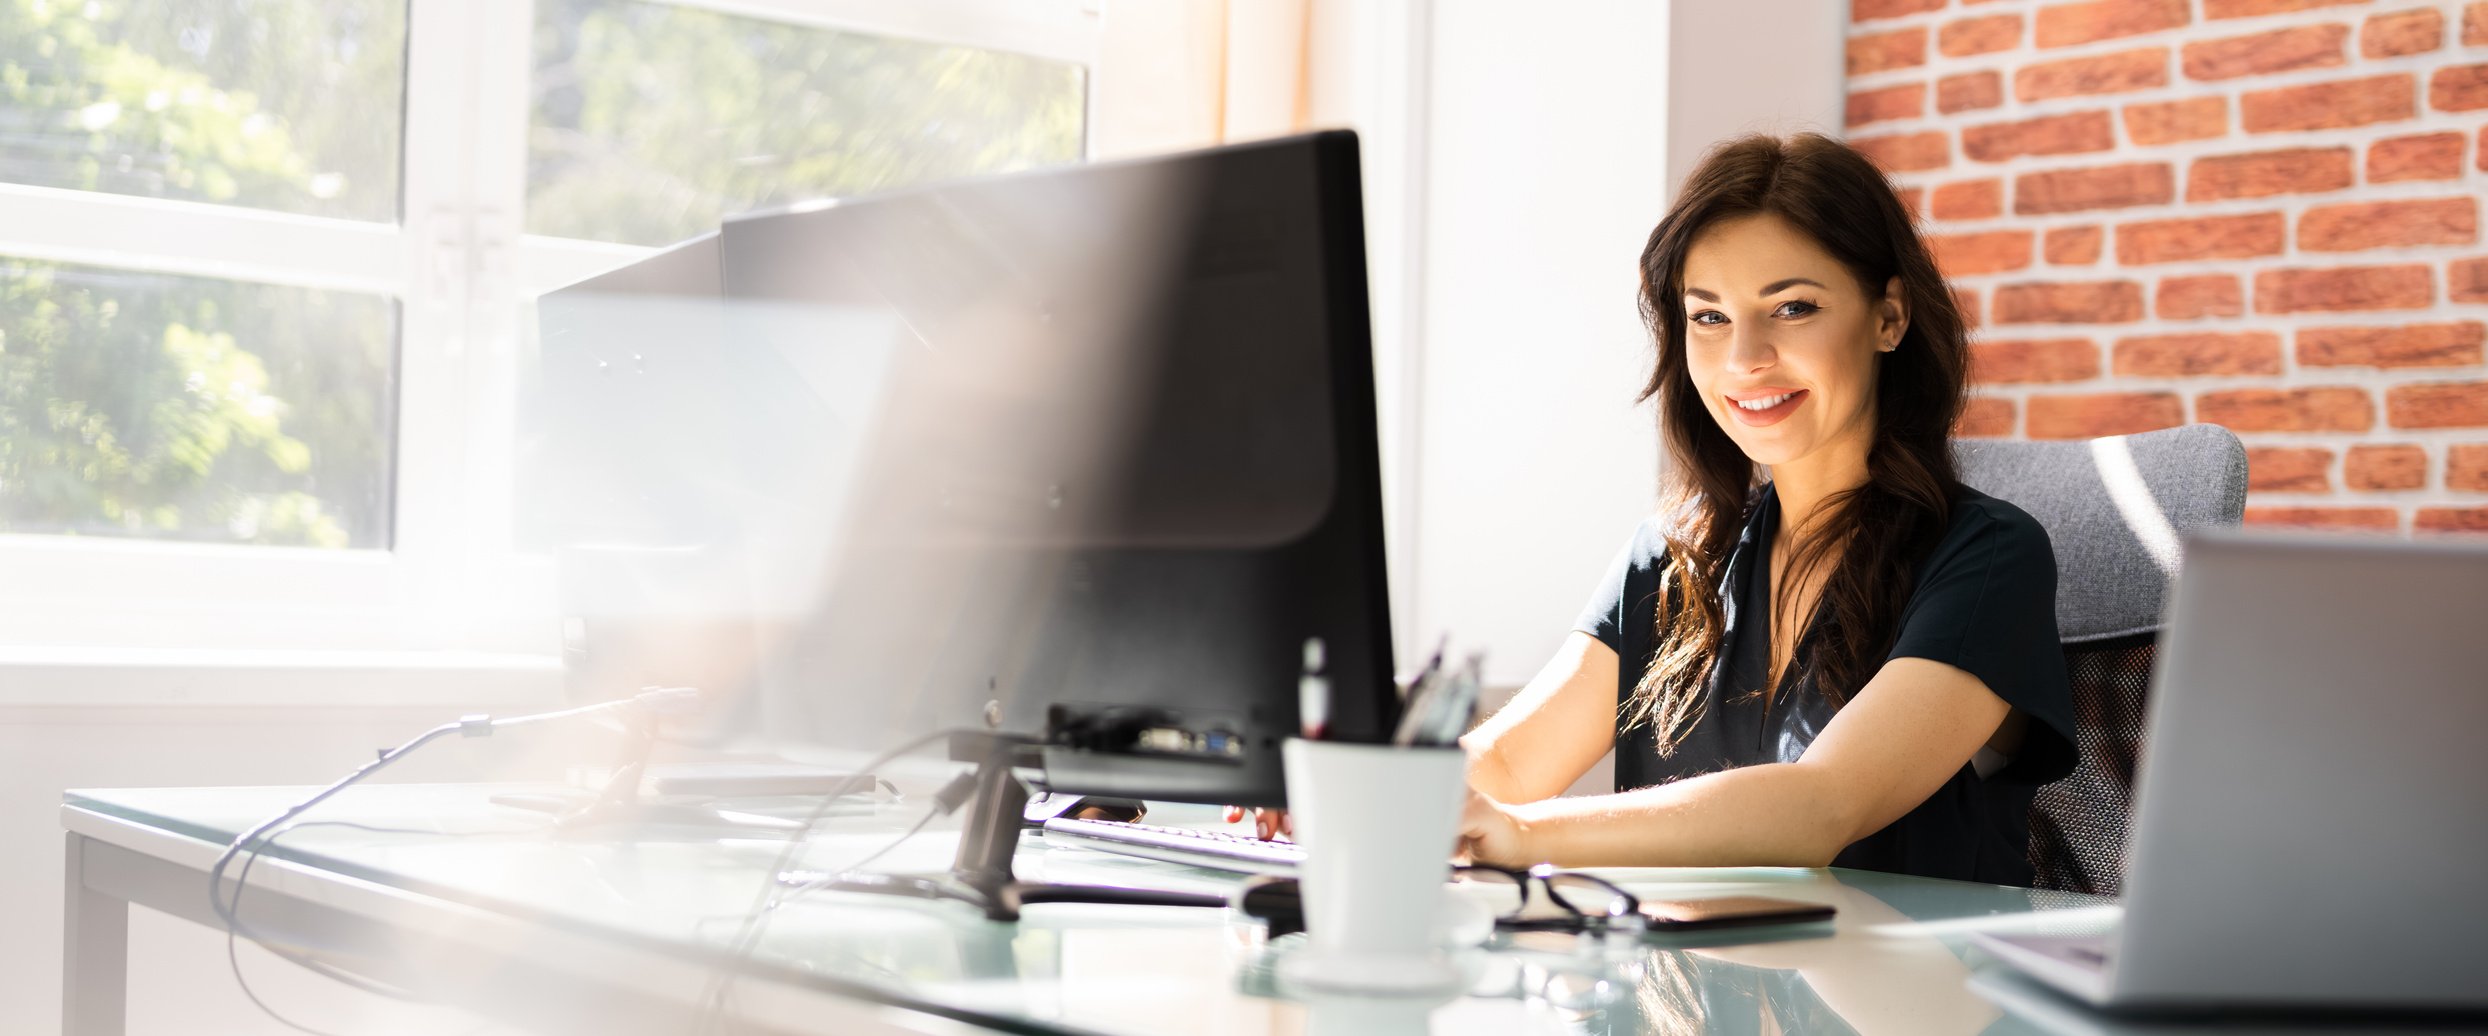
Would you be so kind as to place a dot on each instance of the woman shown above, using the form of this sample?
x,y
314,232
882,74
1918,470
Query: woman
x,y
1853,662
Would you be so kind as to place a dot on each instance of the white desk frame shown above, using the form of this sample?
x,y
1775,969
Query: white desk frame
x,y
500,965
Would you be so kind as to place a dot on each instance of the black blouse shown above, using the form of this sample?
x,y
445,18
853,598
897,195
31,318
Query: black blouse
x,y
1984,602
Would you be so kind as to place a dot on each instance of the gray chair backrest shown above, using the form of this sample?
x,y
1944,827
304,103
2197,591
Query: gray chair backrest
x,y
2115,510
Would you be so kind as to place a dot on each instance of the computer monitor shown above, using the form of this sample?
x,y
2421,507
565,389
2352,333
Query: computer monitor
x,y
1085,454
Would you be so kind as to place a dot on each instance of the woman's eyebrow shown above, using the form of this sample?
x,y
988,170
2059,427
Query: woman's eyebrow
x,y
1773,288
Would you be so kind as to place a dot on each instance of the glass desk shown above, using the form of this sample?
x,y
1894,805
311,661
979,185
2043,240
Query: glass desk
x,y
436,889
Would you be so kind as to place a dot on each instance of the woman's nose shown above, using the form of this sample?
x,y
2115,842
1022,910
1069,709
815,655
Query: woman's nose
x,y
1750,351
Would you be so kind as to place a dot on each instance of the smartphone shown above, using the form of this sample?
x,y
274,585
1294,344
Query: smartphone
x,y
1694,915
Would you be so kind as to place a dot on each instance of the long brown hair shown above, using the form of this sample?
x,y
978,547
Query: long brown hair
x,y
1872,536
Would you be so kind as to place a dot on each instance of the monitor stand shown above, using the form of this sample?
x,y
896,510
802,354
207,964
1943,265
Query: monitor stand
x,y
981,872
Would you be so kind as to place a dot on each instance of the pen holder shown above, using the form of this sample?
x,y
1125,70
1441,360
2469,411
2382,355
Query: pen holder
x,y
1377,823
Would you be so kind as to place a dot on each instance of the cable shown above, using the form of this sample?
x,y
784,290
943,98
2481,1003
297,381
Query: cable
x,y
755,921
241,884
256,840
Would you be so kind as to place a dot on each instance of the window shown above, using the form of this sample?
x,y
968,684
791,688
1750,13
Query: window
x,y
650,121
265,268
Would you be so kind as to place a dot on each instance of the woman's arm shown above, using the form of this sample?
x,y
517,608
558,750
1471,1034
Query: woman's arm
x,y
1898,740
1553,731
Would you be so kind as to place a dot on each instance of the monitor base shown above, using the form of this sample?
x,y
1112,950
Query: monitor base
x,y
981,873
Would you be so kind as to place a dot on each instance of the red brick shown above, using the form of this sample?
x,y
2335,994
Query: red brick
x,y
2264,173
2483,151
2084,77
2404,345
2461,88
2466,467
2376,468
1968,199
2342,289
1883,51
1982,35
1907,101
1907,152
2251,8
2428,156
2107,413
2064,25
2332,409
2026,360
2206,295
2171,122
1869,10
2451,519
2263,53
1967,91
2071,246
2455,404
2466,280
2388,224
2096,302
2045,135
1985,418
1965,302
2288,469
2475,25
1912,199
2396,33
2207,237
2099,187
2363,519
2333,105
2200,353
1968,255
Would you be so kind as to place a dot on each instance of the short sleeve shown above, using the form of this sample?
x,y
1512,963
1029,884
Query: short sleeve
x,y
1631,577
1985,604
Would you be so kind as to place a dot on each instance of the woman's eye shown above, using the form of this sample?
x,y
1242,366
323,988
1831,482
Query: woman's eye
x,y
1796,309
1709,318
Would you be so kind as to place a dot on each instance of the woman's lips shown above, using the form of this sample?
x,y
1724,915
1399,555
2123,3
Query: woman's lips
x,y
1772,416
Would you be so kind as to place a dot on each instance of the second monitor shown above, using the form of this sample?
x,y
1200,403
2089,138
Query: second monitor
x,y
1086,454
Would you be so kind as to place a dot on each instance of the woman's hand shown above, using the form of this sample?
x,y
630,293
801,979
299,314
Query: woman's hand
x,y
1491,833
1267,823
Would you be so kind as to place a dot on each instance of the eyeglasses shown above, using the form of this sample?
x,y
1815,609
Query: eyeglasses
x,y
1586,901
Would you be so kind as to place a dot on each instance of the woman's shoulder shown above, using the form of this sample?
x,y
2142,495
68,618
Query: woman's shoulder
x,y
1987,530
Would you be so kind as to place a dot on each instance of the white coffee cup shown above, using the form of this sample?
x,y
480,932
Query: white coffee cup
x,y
1377,823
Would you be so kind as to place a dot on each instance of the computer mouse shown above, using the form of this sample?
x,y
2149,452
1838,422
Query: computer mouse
x,y
1274,900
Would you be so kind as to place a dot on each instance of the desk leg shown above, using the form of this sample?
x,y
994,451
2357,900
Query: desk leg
x,y
95,954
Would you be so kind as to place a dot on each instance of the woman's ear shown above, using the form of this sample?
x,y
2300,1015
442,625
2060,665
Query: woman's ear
x,y
1893,314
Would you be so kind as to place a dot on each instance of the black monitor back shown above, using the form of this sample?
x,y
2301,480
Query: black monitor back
x,y
1085,453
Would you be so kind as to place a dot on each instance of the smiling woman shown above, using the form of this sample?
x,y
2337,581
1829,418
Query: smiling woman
x,y
1839,661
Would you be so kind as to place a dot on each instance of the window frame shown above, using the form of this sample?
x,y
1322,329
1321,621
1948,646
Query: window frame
x,y
463,275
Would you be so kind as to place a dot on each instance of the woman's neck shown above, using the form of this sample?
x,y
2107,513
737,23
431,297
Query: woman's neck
x,y
1804,484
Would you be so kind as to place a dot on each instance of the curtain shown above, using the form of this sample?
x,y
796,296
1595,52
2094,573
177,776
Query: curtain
x,y
1176,74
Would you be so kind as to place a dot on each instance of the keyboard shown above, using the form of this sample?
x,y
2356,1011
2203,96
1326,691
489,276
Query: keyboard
x,y
1196,847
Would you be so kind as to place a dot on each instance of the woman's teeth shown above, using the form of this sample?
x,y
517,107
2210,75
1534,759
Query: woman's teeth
x,y
1766,402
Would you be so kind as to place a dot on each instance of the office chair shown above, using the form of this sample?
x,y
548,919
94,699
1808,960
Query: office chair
x,y
2114,508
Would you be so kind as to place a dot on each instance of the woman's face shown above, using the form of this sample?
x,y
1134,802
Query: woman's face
x,y
1782,342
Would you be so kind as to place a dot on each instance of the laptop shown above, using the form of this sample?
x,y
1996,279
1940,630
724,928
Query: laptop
x,y
2311,820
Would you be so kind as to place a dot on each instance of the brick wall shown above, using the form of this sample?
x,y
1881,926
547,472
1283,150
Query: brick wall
x,y
2262,214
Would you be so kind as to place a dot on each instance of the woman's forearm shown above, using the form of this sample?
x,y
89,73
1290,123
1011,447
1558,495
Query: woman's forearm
x,y
1777,814
1491,777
